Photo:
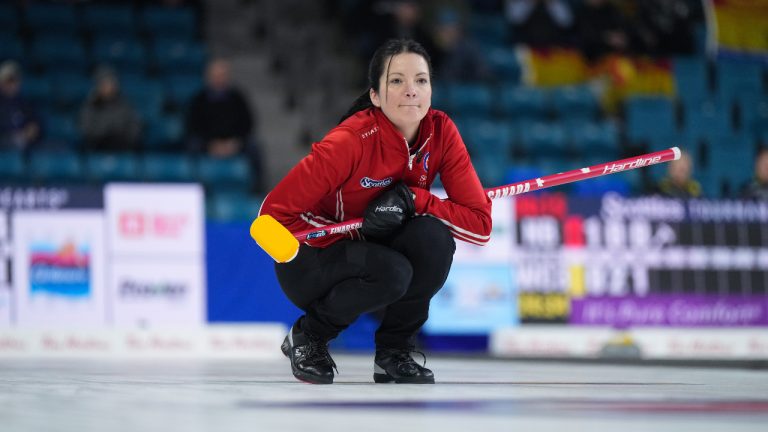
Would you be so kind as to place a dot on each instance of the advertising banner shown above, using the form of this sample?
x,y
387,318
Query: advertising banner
x,y
5,269
160,220
499,247
641,261
160,292
58,268
157,254
475,299
671,310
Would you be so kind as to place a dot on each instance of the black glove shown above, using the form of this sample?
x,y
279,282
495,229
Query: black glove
x,y
388,211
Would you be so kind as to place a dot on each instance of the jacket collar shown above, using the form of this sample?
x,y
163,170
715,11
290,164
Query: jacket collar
x,y
426,128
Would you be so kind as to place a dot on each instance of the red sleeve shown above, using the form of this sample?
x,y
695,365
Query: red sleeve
x,y
319,174
467,210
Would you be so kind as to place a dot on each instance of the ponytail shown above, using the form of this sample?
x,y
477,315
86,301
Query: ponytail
x,y
376,69
362,102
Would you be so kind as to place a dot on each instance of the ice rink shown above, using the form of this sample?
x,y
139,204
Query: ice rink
x,y
471,395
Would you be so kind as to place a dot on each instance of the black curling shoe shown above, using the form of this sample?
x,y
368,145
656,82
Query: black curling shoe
x,y
397,365
310,360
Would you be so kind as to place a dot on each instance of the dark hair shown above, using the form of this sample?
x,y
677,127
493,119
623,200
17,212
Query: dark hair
x,y
376,68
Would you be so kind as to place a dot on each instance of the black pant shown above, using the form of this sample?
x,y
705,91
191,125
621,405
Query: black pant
x,y
335,285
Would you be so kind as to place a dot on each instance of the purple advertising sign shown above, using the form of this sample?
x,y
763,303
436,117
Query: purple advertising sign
x,y
671,310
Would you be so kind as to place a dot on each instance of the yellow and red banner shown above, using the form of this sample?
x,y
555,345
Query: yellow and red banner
x,y
742,25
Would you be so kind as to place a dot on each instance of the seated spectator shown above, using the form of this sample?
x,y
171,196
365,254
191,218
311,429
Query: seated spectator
x,y
455,57
220,121
757,188
664,27
107,121
679,182
540,23
602,29
20,125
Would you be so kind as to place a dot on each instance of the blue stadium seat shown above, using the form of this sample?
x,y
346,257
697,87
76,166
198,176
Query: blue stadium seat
x,y
112,167
754,114
60,54
441,100
163,133
520,102
127,55
11,49
233,207
168,168
9,19
596,139
707,119
70,90
472,98
489,138
490,169
650,119
61,131
737,79
179,56
51,18
169,22
538,138
55,166
488,29
575,102
115,20
182,88
503,61
691,79
38,90
730,168
12,167
224,174
146,95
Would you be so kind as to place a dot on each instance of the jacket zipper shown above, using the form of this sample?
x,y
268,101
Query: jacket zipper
x,y
411,157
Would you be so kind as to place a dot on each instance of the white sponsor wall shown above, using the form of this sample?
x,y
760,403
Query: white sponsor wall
x,y
156,254
58,268
5,262
147,292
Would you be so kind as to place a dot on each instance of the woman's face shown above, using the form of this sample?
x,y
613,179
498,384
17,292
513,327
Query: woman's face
x,y
405,93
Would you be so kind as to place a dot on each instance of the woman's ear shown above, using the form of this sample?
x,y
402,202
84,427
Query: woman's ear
x,y
374,98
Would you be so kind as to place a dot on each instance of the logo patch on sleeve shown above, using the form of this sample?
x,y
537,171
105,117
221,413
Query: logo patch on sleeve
x,y
368,182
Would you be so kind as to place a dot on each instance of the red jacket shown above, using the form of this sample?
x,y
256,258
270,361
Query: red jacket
x,y
365,154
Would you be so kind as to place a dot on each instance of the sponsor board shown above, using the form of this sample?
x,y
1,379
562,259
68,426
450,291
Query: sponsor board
x,y
748,343
252,341
671,310
147,294
5,306
58,268
155,220
499,248
475,299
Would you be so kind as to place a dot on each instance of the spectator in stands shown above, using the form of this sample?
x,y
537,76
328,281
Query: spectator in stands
x,y
220,122
540,23
679,182
20,125
456,58
107,121
757,188
663,27
370,23
602,29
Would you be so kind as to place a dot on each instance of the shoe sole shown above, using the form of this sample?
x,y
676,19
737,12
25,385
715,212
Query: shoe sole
x,y
387,379
299,375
